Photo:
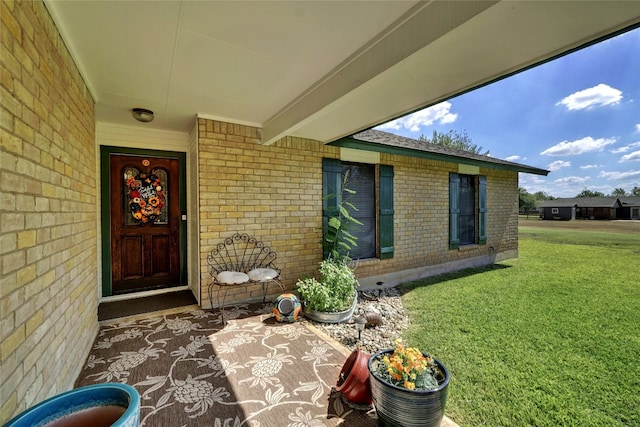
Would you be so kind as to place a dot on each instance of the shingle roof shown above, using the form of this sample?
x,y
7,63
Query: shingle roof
x,y
583,202
558,203
630,201
376,140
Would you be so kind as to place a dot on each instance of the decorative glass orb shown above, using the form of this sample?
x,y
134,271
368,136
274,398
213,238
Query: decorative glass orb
x,y
286,308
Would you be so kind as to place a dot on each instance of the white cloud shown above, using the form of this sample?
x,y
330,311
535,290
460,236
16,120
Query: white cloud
x,y
533,183
620,150
638,127
580,146
590,166
634,156
625,148
512,158
599,95
558,164
620,175
439,113
572,180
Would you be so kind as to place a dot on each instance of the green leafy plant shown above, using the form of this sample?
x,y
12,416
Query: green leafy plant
x,y
335,290
338,239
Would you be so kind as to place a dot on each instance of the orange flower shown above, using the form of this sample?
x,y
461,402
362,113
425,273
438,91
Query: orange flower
x,y
405,364
153,201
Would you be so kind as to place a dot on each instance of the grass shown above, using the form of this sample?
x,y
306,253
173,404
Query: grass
x,y
549,339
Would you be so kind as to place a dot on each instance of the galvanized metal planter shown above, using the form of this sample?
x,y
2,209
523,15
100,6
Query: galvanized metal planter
x,y
399,407
331,317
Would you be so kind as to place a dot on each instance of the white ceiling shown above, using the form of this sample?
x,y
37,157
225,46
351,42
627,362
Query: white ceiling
x,y
316,69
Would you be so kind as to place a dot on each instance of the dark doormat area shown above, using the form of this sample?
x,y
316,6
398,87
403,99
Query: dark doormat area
x,y
116,309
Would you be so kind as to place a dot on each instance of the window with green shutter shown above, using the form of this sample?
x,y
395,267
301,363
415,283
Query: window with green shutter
x,y
467,210
377,226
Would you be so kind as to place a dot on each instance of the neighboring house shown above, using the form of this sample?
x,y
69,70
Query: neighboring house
x,y
629,208
597,208
71,237
559,209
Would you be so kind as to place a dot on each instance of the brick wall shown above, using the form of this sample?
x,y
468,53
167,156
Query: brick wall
x,y
48,296
272,192
275,193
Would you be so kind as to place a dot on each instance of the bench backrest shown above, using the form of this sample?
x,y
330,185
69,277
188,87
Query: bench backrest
x,y
242,253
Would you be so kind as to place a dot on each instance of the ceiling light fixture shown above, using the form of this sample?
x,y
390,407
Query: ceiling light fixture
x,y
142,115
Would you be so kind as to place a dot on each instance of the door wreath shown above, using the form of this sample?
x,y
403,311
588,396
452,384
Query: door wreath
x,y
146,198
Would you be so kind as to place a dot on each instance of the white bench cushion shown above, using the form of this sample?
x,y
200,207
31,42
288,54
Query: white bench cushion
x,y
232,278
262,274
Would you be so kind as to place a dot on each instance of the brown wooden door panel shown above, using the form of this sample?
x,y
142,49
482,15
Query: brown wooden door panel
x,y
145,215
132,261
161,255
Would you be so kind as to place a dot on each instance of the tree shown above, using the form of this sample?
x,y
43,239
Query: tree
x,y
619,192
526,201
541,195
588,193
635,191
455,140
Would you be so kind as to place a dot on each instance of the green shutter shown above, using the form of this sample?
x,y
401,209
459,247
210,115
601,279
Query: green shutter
x,y
331,187
386,211
482,210
454,211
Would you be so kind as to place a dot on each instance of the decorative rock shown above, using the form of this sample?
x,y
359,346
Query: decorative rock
x,y
386,303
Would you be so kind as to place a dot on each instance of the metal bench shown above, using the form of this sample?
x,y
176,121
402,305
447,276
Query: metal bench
x,y
241,260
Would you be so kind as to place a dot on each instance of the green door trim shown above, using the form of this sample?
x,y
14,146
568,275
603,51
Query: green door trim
x,y
105,207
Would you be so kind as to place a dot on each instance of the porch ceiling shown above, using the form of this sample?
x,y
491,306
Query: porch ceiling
x,y
315,69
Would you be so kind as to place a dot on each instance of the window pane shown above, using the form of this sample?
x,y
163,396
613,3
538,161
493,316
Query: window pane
x,y
362,181
467,210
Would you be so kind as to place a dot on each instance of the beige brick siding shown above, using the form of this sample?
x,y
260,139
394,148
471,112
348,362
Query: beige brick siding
x,y
275,193
48,296
272,192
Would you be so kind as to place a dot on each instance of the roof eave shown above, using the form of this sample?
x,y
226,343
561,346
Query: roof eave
x,y
349,142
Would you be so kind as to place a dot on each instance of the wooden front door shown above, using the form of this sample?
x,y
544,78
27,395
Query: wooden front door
x,y
145,222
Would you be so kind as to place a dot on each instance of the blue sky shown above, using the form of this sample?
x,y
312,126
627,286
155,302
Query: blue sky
x,y
577,116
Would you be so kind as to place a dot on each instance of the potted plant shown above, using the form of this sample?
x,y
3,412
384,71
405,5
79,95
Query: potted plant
x,y
408,387
333,298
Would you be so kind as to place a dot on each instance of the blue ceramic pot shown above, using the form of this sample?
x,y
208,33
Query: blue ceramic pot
x,y
99,405
400,407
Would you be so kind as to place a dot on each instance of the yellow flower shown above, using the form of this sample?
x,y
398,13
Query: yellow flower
x,y
405,365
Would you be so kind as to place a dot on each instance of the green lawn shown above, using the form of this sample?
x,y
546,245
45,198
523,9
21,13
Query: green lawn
x,y
549,339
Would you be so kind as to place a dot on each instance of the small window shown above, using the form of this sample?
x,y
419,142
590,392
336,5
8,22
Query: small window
x,y
555,211
467,210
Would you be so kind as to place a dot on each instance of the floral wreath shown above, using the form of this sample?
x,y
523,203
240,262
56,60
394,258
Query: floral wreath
x,y
146,198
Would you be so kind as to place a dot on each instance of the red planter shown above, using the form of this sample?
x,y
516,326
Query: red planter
x,y
353,381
